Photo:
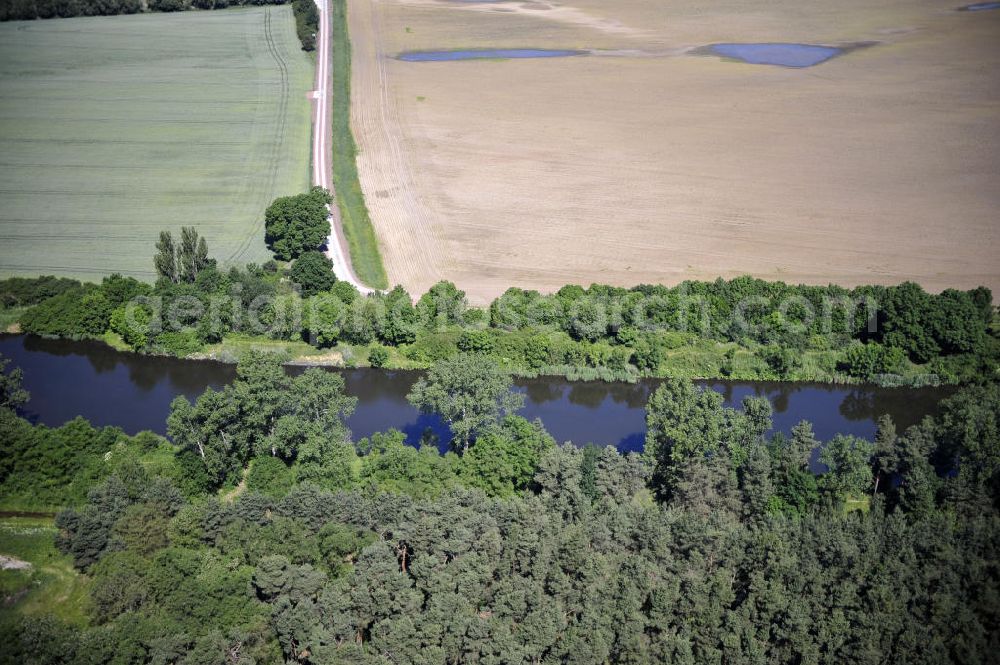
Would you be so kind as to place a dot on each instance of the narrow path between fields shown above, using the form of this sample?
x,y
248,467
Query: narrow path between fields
x,y
336,244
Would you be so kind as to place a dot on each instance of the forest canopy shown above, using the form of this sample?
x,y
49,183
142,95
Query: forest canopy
x,y
261,532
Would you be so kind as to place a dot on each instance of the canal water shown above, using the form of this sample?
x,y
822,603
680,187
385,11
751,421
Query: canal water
x,y
69,378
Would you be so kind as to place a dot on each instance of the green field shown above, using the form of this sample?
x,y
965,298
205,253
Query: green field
x,y
114,128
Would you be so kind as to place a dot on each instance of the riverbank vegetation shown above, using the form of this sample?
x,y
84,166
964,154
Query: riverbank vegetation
x,y
263,533
744,329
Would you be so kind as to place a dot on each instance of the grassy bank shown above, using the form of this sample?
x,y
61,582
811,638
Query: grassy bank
x,y
9,317
693,359
358,228
50,585
233,346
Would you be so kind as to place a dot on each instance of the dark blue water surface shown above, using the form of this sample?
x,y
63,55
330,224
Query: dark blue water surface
x,y
980,6
784,55
485,54
67,379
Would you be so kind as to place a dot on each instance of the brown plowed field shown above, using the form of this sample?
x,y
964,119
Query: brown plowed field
x,y
644,164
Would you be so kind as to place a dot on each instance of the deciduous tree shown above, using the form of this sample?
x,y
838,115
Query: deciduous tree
x,y
470,392
313,272
297,224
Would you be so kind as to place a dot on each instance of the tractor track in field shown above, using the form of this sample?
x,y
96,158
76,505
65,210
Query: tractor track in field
x,y
283,75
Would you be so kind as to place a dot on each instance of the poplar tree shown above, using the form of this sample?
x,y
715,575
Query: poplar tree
x,y
165,260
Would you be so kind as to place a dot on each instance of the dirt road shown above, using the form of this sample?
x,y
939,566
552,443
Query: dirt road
x,y
336,244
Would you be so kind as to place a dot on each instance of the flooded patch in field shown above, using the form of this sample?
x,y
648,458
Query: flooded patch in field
x,y
485,54
780,54
980,7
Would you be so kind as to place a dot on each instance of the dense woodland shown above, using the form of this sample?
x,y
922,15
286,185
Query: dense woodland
x,y
262,533
306,16
743,328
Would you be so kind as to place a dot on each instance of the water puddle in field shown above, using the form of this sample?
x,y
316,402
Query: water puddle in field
x,y
485,54
980,7
780,54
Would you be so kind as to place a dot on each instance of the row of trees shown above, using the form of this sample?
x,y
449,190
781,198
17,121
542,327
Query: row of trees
x,y
181,262
748,309
716,544
307,303
27,10
743,328
892,324
306,17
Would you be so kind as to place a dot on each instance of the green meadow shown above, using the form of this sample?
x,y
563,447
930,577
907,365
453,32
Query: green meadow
x,y
113,128
51,585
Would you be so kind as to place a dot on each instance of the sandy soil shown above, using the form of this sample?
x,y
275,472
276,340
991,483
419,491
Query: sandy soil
x,y
13,563
648,165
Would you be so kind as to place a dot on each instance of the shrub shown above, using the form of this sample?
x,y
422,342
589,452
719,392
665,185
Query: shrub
x,y
270,476
378,356
306,23
476,341
867,361
647,355
134,329
180,343
782,361
431,347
